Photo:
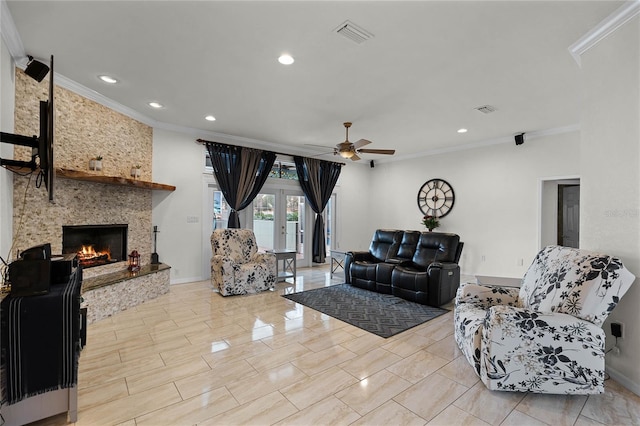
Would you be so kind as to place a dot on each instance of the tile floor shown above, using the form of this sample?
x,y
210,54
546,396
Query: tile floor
x,y
193,357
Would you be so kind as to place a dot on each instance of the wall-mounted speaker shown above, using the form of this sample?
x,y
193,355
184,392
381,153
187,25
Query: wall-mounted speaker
x,y
36,69
372,164
519,139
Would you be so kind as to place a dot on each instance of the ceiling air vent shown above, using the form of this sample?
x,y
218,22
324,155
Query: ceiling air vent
x,y
486,109
353,32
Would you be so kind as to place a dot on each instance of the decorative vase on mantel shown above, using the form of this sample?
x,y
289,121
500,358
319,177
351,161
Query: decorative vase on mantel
x,y
95,164
135,171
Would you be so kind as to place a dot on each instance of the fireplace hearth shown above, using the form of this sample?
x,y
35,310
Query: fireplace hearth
x,y
96,245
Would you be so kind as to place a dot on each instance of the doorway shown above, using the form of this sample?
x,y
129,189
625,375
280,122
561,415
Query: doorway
x,y
568,215
559,211
279,219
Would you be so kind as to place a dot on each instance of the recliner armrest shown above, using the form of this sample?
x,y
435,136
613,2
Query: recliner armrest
x,y
442,265
488,295
355,256
398,261
359,256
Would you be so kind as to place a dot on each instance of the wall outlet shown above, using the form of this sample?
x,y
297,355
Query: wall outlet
x,y
192,219
484,258
617,330
520,262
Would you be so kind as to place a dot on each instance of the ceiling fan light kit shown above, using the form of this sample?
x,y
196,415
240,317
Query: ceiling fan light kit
x,y
350,150
346,154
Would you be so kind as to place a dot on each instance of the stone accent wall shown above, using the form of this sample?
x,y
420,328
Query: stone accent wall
x,y
105,301
83,129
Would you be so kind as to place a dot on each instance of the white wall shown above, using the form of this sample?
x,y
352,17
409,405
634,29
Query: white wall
x,y
497,197
178,160
7,101
356,203
610,169
549,229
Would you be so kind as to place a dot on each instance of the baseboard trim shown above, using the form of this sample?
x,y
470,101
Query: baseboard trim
x,y
623,380
185,280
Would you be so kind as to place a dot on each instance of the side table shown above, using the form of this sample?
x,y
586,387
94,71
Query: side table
x,y
288,258
337,261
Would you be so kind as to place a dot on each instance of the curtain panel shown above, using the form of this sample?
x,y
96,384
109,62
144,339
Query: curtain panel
x,y
317,179
240,172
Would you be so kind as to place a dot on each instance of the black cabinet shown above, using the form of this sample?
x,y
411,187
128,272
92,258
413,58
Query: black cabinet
x,y
41,341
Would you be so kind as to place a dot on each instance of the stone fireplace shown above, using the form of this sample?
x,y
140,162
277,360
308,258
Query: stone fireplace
x,y
85,130
96,245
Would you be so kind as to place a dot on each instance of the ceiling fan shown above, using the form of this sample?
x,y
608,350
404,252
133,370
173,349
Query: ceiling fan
x,y
350,150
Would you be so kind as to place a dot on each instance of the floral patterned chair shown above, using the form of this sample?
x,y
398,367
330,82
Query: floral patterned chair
x,y
546,336
236,265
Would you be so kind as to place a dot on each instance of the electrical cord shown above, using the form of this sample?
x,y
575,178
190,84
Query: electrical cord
x,y
614,348
19,173
4,268
40,179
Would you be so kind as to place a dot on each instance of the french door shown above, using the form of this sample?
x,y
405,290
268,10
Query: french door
x,y
279,221
279,217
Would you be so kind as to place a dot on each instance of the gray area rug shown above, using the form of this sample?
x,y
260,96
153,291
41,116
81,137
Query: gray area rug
x,y
381,314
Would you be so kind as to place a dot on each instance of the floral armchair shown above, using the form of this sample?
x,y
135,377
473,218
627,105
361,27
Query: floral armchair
x,y
236,265
546,336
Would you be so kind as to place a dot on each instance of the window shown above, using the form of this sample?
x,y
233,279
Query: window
x,y
280,169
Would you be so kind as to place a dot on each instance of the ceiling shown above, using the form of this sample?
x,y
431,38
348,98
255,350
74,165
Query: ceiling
x,y
410,87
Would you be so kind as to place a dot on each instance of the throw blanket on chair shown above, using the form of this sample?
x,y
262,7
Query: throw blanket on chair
x,y
40,341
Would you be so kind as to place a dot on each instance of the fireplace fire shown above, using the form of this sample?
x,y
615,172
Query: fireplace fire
x,y
88,256
95,245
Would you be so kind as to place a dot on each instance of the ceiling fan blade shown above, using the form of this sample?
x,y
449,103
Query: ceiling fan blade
x,y
319,146
377,151
323,153
355,157
361,142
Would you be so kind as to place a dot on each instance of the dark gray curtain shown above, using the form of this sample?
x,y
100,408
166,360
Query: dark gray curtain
x,y
317,179
240,172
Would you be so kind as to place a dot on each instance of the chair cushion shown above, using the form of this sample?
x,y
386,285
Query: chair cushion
x,y
385,244
577,282
238,245
435,246
408,244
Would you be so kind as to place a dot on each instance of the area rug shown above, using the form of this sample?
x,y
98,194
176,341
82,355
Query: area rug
x,y
381,314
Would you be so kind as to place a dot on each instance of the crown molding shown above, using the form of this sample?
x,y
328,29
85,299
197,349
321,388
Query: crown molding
x,y
10,33
607,26
230,139
487,142
85,92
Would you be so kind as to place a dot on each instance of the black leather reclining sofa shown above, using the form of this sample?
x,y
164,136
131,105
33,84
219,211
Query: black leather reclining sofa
x,y
417,266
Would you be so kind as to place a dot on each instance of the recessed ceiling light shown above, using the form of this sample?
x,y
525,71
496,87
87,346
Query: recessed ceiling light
x,y
155,105
462,130
108,79
286,59
210,118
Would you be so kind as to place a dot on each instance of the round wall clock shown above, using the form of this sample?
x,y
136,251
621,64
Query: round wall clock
x,y
436,198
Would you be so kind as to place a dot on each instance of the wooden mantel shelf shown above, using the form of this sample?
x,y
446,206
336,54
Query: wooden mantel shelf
x,y
111,180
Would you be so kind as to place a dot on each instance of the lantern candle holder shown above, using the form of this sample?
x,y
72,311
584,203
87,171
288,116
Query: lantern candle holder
x,y
134,261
